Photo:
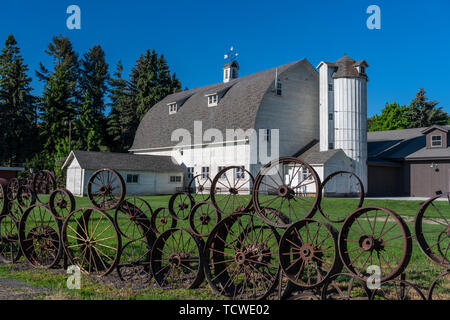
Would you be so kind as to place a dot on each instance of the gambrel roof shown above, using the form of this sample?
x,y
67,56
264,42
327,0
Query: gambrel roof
x,y
239,101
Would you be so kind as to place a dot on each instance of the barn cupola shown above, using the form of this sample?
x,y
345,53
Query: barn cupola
x,y
230,71
231,68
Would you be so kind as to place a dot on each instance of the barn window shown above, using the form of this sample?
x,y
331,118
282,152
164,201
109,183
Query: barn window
x,y
190,173
205,172
240,173
279,88
212,100
173,108
132,178
175,179
330,87
220,168
331,146
305,174
436,141
330,116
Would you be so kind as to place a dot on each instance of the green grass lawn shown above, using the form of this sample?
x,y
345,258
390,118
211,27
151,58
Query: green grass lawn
x,y
420,271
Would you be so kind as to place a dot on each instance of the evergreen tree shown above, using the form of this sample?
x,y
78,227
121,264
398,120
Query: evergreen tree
x,y
93,86
18,138
424,113
392,118
58,104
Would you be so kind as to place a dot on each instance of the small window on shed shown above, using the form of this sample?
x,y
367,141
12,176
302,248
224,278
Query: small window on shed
x,y
436,141
132,178
175,179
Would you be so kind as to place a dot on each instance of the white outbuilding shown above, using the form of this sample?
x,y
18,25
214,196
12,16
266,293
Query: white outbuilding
x,y
143,174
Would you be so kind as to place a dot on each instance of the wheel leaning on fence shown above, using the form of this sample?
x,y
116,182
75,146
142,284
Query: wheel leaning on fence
x,y
432,229
375,236
162,220
200,187
39,236
106,189
44,183
286,190
242,257
180,205
91,240
10,250
61,202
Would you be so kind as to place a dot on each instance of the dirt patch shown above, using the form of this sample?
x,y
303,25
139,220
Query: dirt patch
x,y
11,289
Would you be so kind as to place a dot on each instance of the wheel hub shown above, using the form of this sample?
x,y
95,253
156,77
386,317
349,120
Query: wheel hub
x,y
307,252
205,219
62,204
175,260
369,243
163,220
233,191
286,192
182,206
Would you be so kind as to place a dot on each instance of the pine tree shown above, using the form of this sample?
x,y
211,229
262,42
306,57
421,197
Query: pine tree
x,y
60,96
18,138
93,86
424,113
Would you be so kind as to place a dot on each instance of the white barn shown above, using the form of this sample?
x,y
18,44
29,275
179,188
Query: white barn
x,y
321,117
143,175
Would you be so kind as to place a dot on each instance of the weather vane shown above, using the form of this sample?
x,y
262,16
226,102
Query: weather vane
x,y
231,54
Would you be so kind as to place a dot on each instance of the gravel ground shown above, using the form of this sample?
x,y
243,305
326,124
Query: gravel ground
x,y
11,289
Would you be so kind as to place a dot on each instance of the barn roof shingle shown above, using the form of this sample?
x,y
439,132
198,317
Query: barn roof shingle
x,y
237,108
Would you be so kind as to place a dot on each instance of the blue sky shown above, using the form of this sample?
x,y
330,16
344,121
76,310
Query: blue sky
x,y
410,51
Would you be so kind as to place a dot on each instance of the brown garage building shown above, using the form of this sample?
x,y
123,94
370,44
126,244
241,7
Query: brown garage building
x,y
8,173
410,162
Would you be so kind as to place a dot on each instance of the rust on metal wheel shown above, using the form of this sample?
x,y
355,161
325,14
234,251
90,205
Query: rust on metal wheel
x,y
3,196
15,210
432,229
375,236
12,189
231,190
397,290
39,236
44,183
162,220
91,241
440,287
242,257
345,286
340,191
286,190
309,253
200,188
26,196
61,203
132,218
106,189
180,205
203,218
10,251
176,260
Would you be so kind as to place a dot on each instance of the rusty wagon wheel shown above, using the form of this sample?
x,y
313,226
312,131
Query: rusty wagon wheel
x,y
61,203
106,189
374,235
26,196
203,218
12,189
180,205
176,260
3,196
15,210
132,218
200,187
231,190
340,191
309,253
397,290
10,251
162,220
44,183
91,241
39,236
345,286
242,257
286,190
440,287
432,229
